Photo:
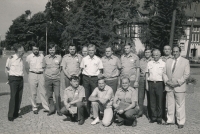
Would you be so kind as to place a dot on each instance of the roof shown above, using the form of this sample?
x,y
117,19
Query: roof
x,y
190,10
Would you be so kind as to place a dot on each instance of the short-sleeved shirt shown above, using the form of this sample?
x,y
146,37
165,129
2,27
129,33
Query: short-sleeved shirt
x,y
111,66
52,66
165,58
72,63
35,62
155,70
71,94
143,66
106,93
91,66
130,63
15,65
128,96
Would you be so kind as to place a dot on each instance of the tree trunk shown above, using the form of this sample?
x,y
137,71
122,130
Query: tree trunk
x,y
172,28
190,34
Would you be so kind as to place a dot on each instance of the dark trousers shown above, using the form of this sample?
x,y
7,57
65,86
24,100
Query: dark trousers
x,y
156,99
164,105
141,94
80,110
53,86
130,115
16,89
113,84
148,105
89,83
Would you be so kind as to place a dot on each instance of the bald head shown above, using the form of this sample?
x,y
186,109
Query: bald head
x,y
156,54
167,50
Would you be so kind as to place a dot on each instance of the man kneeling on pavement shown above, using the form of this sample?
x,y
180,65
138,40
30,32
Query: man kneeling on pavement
x,y
125,103
73,101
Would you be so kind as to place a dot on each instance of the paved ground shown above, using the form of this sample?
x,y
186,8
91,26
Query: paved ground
x,y
41,123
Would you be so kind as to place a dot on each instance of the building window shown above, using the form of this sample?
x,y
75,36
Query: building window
x,y
195,37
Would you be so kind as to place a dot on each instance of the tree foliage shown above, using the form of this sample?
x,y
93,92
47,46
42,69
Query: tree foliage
x,y
157,32
93,21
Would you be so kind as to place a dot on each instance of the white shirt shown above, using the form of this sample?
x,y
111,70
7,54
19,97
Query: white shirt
x,y
155,70
15,66
91,66
35,62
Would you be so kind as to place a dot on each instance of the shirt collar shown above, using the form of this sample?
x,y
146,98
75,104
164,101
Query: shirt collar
x,y
111,57
168,57
105,88
72,89
177,58
122,90
35,55
150,59
158,62
92,57
16,57
52,57
129,55
74,55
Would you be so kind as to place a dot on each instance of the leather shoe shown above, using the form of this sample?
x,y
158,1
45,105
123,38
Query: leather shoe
x,y
152,121
81,122
59,113
134,123
180,126
45,111
35,112
18,116
139,116
50,113
120,123
10,118
168,123
159,122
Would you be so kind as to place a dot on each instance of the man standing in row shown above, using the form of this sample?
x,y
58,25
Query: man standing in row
x,y
71,64
167,53
14,67
52,79
155,85
34,69
130,66
92,67
111,69
142,83
175,74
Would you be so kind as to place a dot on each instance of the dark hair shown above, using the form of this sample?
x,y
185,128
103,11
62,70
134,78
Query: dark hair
x,y
166,45
101,78
178,48
147,48
35,45
74,78
72,45
109,46
128,42
125,78
52,45
16,46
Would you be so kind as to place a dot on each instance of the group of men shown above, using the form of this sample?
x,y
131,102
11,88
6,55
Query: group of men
x,y
94,86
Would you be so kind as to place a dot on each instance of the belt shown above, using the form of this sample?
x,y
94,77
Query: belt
x,y
155,81
112,78
36,72
89,76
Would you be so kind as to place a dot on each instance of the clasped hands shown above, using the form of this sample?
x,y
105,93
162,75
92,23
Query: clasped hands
x,y
172,84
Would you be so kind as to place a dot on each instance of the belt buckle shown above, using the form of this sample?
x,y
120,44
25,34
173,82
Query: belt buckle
x,y
154,81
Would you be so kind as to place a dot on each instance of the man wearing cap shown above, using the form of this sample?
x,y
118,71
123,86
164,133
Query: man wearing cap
x,y
111,70
34,69
71,64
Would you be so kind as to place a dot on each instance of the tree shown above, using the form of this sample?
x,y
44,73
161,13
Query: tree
x,y
160,21
17,31
93,21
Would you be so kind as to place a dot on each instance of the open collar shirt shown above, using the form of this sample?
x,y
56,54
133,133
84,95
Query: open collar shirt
x,y
35,62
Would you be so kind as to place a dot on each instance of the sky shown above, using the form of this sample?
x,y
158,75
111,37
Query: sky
x,y
11,9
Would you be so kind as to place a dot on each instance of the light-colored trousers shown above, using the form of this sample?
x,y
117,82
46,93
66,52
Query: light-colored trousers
x,y
176,104
36,81
108,113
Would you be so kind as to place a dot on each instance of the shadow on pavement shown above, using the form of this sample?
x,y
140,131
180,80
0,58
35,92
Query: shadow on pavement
x,y
28,108
5,93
